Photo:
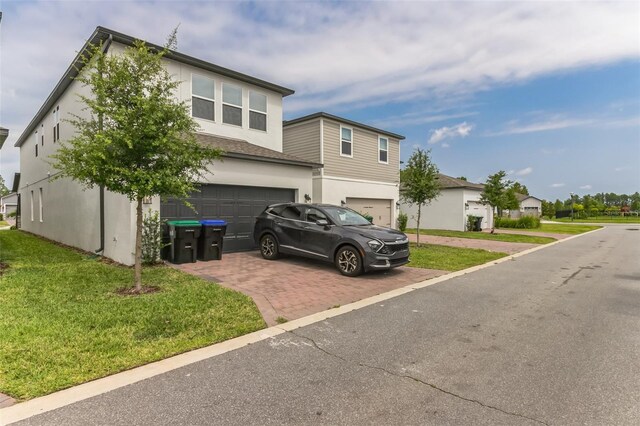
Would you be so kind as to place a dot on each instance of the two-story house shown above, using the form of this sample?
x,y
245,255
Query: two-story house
x,y
361,164
236,112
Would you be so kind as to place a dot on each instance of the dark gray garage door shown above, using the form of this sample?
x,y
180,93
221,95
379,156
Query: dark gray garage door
x,y
238,205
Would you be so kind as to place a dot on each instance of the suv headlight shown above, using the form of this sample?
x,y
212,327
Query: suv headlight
x,y
375,245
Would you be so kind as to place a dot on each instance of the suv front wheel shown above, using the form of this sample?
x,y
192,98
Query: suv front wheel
x,y
349,261
269,247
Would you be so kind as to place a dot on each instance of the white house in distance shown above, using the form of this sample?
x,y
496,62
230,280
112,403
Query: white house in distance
x,y
361,164
237,112
458,199
529,206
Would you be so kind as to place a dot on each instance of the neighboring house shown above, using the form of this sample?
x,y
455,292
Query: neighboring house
x,y
237,112
458,199
529,206
361,164
8,205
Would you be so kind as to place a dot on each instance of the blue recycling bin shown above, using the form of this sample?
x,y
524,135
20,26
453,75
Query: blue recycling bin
x,y
211,239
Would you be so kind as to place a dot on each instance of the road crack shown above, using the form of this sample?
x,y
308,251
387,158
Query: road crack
x,y
572,276
417,380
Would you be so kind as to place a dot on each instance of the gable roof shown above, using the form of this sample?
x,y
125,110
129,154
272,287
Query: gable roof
x,y
522,197
16,182
106,36
241,149
448,182
343,120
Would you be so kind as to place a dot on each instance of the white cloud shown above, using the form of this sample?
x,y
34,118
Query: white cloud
x,y
416,146
586,187
621,169
557,185
525,171
553,123
461,130
445,145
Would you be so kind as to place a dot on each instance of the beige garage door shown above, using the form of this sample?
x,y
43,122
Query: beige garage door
x,y
379,209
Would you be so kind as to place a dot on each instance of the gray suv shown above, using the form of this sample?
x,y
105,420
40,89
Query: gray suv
x,y
331,233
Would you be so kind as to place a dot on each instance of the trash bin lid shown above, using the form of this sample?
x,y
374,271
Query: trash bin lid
x,y
190,223
213,222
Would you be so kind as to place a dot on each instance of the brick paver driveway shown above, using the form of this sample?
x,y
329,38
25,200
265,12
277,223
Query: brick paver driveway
x,y
293,287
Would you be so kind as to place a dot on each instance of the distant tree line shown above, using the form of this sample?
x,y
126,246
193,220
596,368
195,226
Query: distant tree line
x,y
588,205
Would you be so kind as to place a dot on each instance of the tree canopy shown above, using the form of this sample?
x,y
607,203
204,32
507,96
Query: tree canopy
x,y
419,181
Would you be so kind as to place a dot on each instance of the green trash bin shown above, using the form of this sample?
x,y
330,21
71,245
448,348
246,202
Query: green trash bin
x,y
184,235
477,226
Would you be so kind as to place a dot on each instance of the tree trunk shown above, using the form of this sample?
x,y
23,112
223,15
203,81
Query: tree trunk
x,y
418,226
138,256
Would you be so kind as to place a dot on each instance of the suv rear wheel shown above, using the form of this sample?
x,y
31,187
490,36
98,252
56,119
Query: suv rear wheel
x,y
349,261
269,247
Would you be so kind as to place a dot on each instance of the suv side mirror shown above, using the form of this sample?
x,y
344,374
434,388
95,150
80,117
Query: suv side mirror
x,y
322,222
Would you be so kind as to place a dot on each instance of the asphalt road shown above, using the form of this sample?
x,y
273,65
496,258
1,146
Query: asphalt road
x,y
549,338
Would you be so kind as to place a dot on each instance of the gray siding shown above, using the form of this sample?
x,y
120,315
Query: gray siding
x,y
303,141
364,164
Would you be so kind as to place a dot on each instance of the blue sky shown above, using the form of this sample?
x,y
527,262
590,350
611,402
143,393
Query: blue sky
x,y
549,92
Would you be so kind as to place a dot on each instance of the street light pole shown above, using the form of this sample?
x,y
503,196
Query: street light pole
x,y
571,193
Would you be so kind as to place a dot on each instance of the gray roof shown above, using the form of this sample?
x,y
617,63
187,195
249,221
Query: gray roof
x,y
522,197
106,36
448,182
238,148
343,120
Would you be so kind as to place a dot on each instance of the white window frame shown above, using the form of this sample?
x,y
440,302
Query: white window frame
x,y
56,124
193,95
266,112
380,139
40,209
31,206
241,106
351,141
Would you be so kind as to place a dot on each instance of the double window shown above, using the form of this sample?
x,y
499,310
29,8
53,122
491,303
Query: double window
x,y
383,150
203,95
346,142
231,104
257,111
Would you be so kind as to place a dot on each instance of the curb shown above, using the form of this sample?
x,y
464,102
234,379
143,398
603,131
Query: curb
x,y
97,387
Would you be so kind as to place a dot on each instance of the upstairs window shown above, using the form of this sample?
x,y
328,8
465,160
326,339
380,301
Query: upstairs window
x,y
383,150
231,104
56,124
40,205
41,135
346,142
257,111
203,91
36,140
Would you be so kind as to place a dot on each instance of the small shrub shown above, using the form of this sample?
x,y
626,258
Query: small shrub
x,y
402,221
151,238
471,222
1,216
12,214
525,222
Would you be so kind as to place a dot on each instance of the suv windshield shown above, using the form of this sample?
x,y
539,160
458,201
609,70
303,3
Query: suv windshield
x,y
343,216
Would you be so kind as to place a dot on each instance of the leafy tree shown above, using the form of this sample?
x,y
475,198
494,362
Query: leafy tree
x,y
558,206
138,139
420,183
464,178
635,205
3,188
498,193
520,188
548,209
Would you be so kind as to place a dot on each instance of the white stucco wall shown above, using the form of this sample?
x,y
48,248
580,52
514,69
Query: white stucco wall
x,y
333,190
445,212
474,207
271,139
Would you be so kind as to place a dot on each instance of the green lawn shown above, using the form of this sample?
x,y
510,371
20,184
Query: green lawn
x,y
562,228
509,238
4,223
61,323
447,258
602,219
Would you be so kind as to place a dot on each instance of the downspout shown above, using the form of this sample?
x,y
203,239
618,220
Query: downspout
x,y
101,249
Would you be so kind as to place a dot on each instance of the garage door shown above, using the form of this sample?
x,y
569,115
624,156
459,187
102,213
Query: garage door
x,y
238,205
379,209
